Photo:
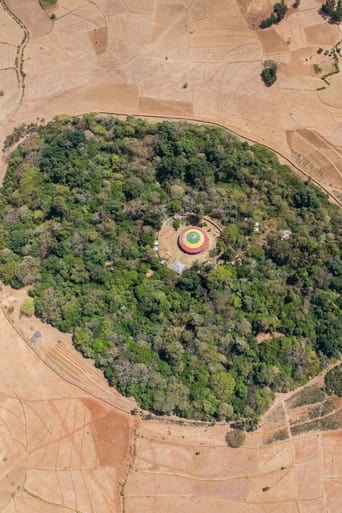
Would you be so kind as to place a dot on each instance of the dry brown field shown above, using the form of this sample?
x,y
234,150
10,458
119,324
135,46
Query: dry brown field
x,y
67,441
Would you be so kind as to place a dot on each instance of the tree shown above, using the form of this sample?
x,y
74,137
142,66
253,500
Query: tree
x,y
333,381
235,438
279,12
269,73
225,411
27,307
333,8
223,385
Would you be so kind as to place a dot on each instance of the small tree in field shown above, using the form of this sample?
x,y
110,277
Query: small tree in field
x,y
269,73
235,438
279,12
27,308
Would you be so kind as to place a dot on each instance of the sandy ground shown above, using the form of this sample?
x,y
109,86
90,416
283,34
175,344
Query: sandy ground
x,y
186,58
66,441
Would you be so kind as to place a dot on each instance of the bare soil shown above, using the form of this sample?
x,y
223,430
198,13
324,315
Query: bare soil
x,y
61,449
99,39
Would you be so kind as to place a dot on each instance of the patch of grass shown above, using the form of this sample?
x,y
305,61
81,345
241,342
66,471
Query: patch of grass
x,y
315,412
325,424
327,407
282,434
47,3
322,410
10,309
27,307
333,381
309,395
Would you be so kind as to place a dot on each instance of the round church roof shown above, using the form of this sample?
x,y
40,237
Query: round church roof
x,y
193,240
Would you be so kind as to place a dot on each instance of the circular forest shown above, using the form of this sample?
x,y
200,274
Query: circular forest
x,y
193,240
81,206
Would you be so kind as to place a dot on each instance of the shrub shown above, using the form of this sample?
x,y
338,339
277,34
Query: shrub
x,y
309,395
329,423
333,381
269,73
281,434
235,438
27,308
47,3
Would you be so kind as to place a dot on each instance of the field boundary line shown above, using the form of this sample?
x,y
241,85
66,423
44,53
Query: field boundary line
x,y
19,58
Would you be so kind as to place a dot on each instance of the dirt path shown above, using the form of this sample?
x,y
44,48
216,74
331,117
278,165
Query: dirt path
x,y
19,60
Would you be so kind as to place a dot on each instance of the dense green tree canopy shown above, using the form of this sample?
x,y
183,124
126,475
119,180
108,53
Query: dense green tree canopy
x,y
80,206
333,8
278,13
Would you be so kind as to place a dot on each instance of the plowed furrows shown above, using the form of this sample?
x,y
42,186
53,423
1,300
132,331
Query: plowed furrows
x,y
58,361
73,369
327,153
335,153
87,371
